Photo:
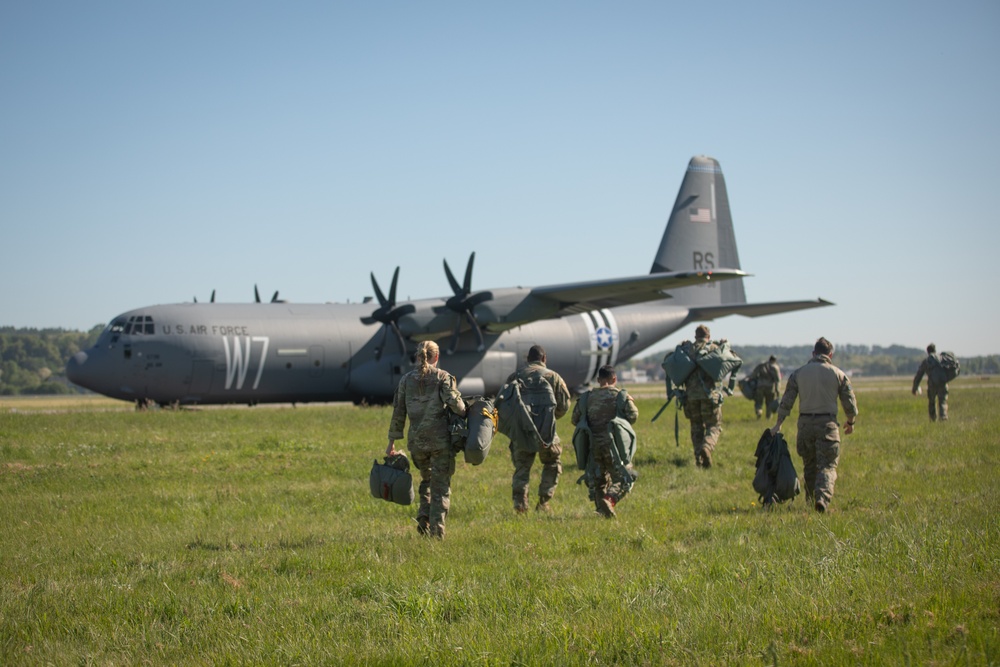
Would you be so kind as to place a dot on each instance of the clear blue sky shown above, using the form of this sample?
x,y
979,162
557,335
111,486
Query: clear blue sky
x,y
153,152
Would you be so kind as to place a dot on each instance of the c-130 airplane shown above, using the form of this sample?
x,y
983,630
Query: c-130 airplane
x,y
279,352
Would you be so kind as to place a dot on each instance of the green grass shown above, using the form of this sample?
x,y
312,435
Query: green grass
x,y
248,536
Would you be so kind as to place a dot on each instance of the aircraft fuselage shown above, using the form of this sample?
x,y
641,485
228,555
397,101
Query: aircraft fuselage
x,y
195,353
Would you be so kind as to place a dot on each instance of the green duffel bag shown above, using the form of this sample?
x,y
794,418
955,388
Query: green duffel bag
x,y
392,480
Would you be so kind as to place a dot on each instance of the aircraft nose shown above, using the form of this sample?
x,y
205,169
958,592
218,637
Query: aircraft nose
x,y
74,368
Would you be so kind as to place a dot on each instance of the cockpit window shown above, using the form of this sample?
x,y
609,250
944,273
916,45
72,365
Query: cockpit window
x,y
138,325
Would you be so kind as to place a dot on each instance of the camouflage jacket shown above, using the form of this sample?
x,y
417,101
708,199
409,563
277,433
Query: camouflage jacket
x,y
602,407
700,385
425,399
768,375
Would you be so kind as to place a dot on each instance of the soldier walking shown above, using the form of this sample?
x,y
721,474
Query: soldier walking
x,y
602,406
703,397
523,453
425,394
819,384
768,377
937,384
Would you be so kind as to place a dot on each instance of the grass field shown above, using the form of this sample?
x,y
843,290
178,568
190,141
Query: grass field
x,y
248,536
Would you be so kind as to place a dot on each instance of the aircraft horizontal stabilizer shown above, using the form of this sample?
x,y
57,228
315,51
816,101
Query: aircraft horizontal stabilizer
x,y
597,294
753,309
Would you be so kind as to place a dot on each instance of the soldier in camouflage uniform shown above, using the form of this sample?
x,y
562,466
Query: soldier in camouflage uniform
x,y
937,387
703,404
602,407
768,377
820,384
425,394
522,455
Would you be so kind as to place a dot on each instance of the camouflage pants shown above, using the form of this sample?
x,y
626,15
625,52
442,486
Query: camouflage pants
x,y
551,469
818,443
609,479
706,427
765,397
940,395
436,469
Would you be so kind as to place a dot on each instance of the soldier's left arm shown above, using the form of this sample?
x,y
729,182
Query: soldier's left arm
x,y
631,411
848,400
561,391
451,397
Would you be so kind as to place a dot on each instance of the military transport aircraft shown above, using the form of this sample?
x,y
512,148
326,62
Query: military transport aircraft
x,y
279,352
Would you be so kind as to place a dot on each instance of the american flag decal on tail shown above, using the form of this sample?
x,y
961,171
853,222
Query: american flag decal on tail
x,y
700,214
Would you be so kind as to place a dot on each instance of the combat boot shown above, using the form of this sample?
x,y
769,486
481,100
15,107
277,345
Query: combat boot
x,y
606,506
543,505
423,525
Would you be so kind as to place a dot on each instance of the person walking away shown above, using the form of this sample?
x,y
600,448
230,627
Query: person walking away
x,y
818,385
937,384
768,377
425,394
523,453
703,397
602,406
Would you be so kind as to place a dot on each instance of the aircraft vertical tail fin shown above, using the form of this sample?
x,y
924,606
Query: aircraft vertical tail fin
x,y
699,236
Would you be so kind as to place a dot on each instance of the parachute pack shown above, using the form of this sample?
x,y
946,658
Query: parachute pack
x,y
526,410
717,360
748,387
776,479
946,369
392,480
622,436
473,434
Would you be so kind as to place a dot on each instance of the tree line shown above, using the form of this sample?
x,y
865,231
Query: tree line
x,y
33,361
858,360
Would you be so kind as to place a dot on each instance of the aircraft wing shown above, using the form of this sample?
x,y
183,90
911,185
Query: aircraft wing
x,y
753,309
594,295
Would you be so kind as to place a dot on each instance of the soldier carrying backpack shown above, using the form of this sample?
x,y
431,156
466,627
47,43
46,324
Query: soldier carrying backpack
x,y
605,441
528,406
698,370
940,371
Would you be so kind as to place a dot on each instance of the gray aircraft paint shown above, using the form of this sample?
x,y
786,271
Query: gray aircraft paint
x,y
215,353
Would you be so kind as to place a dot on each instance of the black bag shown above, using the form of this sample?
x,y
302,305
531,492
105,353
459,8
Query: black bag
x,y
776,479
392,480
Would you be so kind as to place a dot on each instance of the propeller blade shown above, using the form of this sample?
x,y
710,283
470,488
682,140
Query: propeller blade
x,y
392,287
274,299
451,279
453,345
378,292
212,300
381,343
480,341
256,295
388,314
467,285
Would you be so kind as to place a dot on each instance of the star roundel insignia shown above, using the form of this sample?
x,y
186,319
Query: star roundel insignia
x,y
604,338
